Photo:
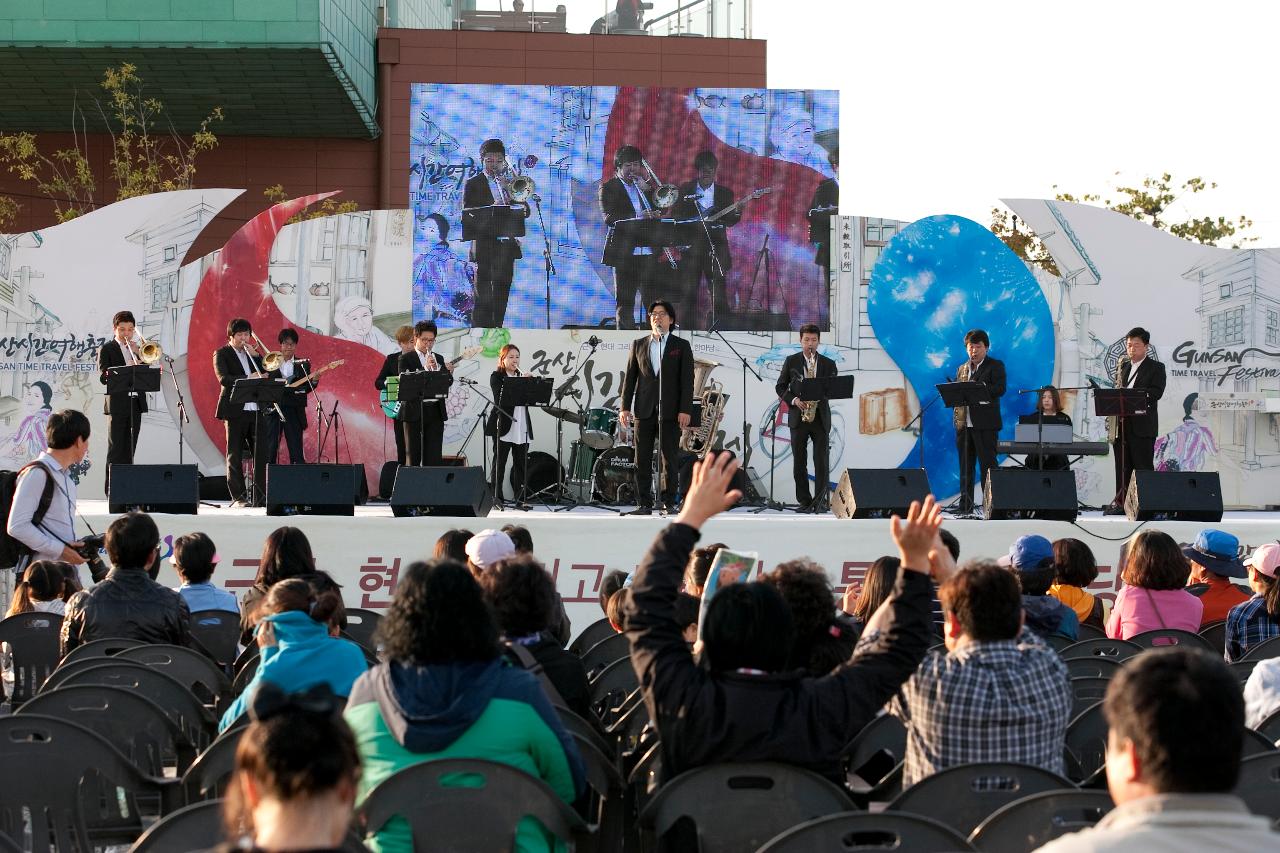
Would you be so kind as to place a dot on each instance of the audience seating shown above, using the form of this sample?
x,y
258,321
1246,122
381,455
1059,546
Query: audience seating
x,y
592,634
68,670
217,632
362,625
193,669
247,654
607,807
961,797
1088,632
167,692
208,776
1264,650
34,638
736,807
614,689
853,831
1259,783
192,827
1086,746
1085,692
574,724
1057,642
8,845
1215,634
1031,822
1164,638
245,673
1243,669
1270,727
879,750
1092,667
444,815
1256,743
99,649
642,780
628,725
605,652
1107,648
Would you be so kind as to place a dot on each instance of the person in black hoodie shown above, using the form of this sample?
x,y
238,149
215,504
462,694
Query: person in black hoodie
x,y
740,704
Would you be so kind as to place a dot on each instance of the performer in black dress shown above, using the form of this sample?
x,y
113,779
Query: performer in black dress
x,y
1049,411
509,425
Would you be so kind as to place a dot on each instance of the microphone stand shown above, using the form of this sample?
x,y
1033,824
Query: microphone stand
x,y
746,427
715,259
548,264
183,419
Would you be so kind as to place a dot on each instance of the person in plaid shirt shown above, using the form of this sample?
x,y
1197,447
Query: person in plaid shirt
x,y
997,694
1258,619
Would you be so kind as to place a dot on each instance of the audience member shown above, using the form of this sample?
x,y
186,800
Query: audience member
x,y
698,567
821,643
687,609
1173,758
1153,597
48,526
486,548
44,588
1032,561
739,704
297,652
452,545
998,693
616,609
128,603
1262,692
1258,619
522,598
877,584
295,777
1076,568
285,554
1214,559
447,692
194,559
520,537
613,580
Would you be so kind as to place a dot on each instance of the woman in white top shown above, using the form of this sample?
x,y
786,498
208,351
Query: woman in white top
x,y
510,426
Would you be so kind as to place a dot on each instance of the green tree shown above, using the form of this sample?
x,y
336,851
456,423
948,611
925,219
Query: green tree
x,y
147,153
328,207
1022,242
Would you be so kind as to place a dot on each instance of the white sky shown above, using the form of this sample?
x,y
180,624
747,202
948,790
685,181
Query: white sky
x,y
947,107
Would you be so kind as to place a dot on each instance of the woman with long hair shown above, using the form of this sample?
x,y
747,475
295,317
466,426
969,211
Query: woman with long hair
x,y
876,586
1258,619
1153,597
1048,411
286,553
509,425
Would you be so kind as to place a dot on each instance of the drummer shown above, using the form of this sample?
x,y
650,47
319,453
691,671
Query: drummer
x,y
510,426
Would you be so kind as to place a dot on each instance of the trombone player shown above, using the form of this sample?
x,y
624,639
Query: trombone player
x,y
629,195
123,410
495,257
243,422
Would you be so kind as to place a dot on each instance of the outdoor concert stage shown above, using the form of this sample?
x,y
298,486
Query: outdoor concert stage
x,y
365,552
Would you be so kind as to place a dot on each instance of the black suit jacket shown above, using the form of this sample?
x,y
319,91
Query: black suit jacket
x,y
476,193
640,384
828,193
414,412
499,423
294,401
390,367
110,355
991,373
788,387
1151,378
227,367
687,208
616,204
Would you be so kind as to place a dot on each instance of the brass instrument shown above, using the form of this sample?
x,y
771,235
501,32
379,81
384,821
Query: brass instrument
x,y
697,440
147,352
666,195
270,361
520,189
1113,423
810,411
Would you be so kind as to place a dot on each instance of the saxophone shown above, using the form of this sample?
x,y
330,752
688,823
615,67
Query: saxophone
x,y
697,440
1113,423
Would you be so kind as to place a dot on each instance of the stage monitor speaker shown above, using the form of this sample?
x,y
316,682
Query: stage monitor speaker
x,y
313,489
387,479
171,489
878,492
1177,495
1025,493
444,490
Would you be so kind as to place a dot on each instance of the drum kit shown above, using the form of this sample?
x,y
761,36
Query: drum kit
x,y
602,467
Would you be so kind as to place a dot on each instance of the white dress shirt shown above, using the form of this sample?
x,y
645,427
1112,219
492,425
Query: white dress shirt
x,y
656,347
1133,372
640,204
248,368
706,197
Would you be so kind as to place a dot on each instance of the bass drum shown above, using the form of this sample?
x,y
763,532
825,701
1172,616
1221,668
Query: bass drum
x,y
545,476
615,476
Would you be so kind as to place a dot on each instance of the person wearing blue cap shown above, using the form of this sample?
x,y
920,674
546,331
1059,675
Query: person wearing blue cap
x,y
1214,561
1031,558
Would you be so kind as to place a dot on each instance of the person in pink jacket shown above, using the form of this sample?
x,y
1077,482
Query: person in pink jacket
x,y
1153,596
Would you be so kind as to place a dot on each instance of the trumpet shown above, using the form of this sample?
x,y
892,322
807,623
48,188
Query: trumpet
x,y
147,352
666,195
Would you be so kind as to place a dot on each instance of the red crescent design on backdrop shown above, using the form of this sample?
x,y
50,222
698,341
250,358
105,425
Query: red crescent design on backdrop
x,y
236,286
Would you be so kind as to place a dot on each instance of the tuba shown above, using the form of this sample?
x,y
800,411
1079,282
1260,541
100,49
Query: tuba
x,y
710,393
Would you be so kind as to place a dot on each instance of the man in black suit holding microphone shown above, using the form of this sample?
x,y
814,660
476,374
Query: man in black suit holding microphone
x,y
808,420
657,395
978,427
231,363
423,422
1135,441
124,410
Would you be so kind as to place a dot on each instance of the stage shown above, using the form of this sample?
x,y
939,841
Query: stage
x,y
365,552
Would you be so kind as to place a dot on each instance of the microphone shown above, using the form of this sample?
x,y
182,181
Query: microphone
x,y
594,342
691,196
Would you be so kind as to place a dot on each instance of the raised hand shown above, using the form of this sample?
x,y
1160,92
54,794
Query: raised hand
x,y
917,536
709,492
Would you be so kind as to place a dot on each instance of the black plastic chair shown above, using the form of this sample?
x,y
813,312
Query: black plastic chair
x,y
1242,669
1057,642
1031,822
614,689
605,652
1092,667
192,827
592,634
1259,784
247,654
1215,634
33,638
1089,632
642,780
736,807
1270,727
445,816
166,691
853,831
67,671
628,725
1085,692
575,724
201,675
245,674
961,797
1255,743
1166,638
8,845
208,776
104,648
1086,744
362,625
218,633
607,808
1264,650
875,760
1106,648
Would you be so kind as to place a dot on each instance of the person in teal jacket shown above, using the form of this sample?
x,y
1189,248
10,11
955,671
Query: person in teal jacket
x,y
297,651
447,692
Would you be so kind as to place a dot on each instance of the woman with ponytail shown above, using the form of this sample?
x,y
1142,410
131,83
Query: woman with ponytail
x,y
44,589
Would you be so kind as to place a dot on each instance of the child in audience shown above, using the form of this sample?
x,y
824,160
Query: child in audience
x,y
1155,572
1258,619
43,589
1076,569
194,559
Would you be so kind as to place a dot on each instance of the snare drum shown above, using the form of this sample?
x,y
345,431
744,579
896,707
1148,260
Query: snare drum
x,y
615,475
598,427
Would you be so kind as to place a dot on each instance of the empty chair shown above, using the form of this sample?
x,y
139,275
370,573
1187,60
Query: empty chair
x,y
361,626
249,652
201,675
577,725
167,692
1215,634
592,634
208,776
33,639
218,633
1086,744
735,807
875,759
1270,727
460,804
1057,642
100,649
1090,632
1092,667
1256,743
1259,784
628,725
962,797
853,831
613,689
192,827
1264,650
1033,821
1085,692
1242,669
1163,638
607,808
605,652
67,671
1107,648
245,673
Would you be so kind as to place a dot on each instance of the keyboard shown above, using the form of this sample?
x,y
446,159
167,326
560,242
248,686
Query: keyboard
x,y
1075,448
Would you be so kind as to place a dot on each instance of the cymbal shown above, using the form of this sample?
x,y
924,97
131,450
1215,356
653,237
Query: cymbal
x,y
564,414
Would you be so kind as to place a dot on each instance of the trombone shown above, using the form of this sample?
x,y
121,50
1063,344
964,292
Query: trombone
x,y
521,188
271,360
147,352
666,195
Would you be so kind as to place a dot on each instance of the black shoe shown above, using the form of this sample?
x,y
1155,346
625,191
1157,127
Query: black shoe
x,y
640,510
1113,509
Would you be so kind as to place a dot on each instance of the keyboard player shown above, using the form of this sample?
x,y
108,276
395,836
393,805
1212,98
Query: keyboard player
x,y
1049,411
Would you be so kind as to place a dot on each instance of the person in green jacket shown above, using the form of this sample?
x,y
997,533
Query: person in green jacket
x,y
446,691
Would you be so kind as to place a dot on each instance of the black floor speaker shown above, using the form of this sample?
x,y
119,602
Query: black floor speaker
x,y
315,489
446,490
878,492
154,488
387,479
1024,493
1179,495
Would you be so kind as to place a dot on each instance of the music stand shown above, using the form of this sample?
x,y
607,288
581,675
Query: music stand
x,y
264,392
969,395
132,379
1120,403
492,221
530,392
422,386
816,389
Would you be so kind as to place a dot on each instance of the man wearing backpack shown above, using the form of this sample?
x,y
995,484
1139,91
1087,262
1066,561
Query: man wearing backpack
x,y
42,515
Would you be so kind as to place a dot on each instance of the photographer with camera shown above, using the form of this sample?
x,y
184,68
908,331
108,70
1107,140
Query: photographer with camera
x,y
128,603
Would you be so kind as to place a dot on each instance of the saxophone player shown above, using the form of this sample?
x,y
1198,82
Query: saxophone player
x,y
495,256
808,420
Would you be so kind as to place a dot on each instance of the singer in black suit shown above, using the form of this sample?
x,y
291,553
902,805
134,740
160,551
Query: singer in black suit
x,y
390,368
510,437
244,423
123,410
978,427
702,198
635,268
423,422
803,433
659,402
1135,442
293,403
495,256
827,195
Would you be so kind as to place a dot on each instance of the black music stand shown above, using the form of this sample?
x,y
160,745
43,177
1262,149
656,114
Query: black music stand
x,y
266,393
422,386
530,392
969,395
816,389
492,221
1120,403
133,379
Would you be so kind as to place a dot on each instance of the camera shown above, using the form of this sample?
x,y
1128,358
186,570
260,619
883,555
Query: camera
x,y
90,551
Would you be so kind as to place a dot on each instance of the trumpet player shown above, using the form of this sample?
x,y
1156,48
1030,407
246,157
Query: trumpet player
x,y
495,257
628,195
124,411
243,422
808,420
